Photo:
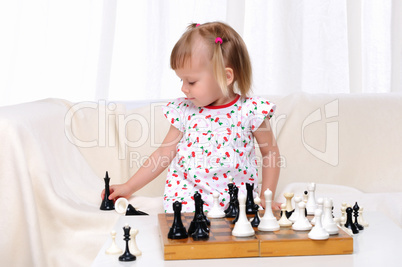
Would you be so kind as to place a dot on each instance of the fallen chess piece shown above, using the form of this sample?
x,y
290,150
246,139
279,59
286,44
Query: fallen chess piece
x,y
113,249
123,207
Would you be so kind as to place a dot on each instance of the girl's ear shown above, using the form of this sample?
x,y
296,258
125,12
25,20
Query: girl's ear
x,y
229,76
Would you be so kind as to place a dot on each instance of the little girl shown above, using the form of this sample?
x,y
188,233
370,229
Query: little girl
x,y
210,142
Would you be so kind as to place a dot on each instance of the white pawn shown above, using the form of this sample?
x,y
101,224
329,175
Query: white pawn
x,y
320,203
302,223
242,227
268,221
311,204
114,249
327,221
343,213
360,219
132,244
284,221
288,197
216,211
318,232
295,214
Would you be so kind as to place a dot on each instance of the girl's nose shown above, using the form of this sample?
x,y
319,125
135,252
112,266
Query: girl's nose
x,y
184,89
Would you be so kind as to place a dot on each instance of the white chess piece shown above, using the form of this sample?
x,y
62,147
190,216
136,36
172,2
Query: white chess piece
x,y
121,205
288,197
216,211
284,221
242,227
311,204
295,214
132,244
302,223
327,220
268,221
360,219
320,203
343,213
114,249
318,232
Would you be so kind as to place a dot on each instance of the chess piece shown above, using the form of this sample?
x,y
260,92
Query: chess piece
x,y
328,222
343,213
242,227
216,211
284,221
302,223
268,221
318,232
289,209
311,204
320,204
305,197
127,256
177,231
250,199
295,213
361,220
200,225
356,215
107,204
230,191
233,208
123,207
256,220
132,244
113,249
198,204
349,221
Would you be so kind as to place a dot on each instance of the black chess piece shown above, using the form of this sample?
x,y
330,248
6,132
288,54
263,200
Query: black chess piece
x,y
256,220
132,211
177,231
198,204
230,186
356,209
233,207
107,204
250,199
349,221
127,256
200,233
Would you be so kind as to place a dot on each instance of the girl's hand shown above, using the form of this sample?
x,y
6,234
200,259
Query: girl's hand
x,y
274,205
117,191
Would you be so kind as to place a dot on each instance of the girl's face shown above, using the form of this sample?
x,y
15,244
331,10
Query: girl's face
x,y
199,83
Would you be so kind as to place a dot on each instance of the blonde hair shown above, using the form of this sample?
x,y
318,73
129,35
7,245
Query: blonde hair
x,y
232,53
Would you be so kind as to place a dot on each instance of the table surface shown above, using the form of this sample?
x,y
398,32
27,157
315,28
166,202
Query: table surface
x,y
378,245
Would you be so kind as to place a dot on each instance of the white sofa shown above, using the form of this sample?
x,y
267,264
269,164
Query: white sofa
x,y
54,154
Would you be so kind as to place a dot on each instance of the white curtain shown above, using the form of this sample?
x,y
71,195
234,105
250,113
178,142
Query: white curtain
x,y
119,49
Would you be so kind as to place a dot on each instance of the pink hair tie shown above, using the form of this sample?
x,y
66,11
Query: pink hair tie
x,y
218,39
197,25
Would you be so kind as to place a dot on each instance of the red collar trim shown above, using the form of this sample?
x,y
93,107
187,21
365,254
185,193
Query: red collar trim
x,y
225,105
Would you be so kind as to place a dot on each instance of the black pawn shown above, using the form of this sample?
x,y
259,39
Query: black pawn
x,y
233,209
249,199
349,221
256,220
107,204
200,225
127,256
177,231
356,215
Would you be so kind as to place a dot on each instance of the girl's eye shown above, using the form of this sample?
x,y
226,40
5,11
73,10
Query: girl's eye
x,y
191,83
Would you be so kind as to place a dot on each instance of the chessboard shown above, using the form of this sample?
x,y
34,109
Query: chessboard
x,y
222,244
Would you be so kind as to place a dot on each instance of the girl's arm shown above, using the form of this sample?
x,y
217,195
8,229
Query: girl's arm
x,y
270,161
153,166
